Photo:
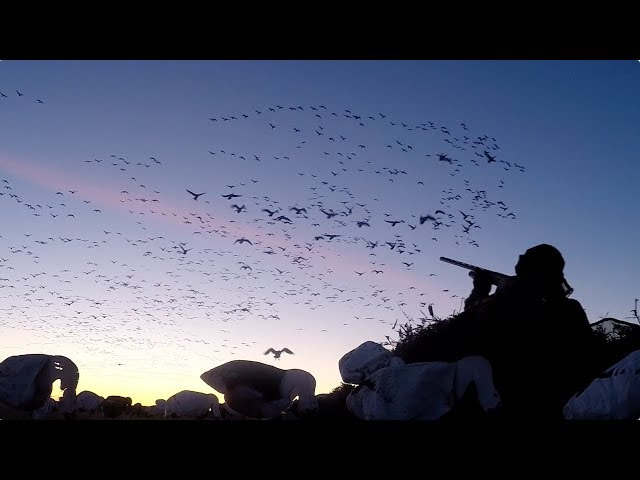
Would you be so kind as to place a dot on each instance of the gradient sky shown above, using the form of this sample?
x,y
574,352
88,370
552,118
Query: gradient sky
x,y
110,288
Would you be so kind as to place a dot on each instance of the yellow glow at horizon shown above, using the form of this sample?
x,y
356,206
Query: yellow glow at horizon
x,y
147,393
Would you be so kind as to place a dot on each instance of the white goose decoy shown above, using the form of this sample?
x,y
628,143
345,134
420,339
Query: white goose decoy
x,y
49,406
193,404
258,390
422,391
389,389
614,395
160,408
115,406
89,401
26,381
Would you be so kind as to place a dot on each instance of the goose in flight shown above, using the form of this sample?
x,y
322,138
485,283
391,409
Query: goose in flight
x,y
195,195
229,196
394,222
489,157
270,212
277,353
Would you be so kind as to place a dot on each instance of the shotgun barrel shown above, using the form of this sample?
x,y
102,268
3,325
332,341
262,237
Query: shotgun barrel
x,y
496,277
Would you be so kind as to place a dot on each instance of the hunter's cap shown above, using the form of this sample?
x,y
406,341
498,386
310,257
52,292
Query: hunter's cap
x,y
541,259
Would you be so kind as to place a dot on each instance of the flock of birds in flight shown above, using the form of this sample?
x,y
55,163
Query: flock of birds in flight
x,y
267,250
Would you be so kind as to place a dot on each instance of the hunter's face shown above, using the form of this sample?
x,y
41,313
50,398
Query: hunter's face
x,y
519,263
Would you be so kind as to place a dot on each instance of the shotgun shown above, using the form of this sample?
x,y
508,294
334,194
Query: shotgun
x,y
496,277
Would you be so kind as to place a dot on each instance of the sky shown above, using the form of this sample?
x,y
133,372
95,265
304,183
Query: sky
x,y
108,259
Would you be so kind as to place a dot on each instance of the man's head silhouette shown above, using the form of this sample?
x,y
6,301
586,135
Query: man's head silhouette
x,y
543,260
541,267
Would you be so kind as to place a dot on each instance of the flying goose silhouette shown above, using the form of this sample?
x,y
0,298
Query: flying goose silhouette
x,y
195,195
489,157
277,353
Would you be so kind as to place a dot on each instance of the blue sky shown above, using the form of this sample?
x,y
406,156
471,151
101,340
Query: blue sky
x,y
109,287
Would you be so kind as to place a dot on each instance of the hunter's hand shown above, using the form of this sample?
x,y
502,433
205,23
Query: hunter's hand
x,y
482,282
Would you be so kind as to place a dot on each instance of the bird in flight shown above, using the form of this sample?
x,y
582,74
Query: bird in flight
x,y
394,222
195,195
229,196
277,353
489,157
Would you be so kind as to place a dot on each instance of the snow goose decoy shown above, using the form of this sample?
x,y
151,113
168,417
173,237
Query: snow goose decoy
x,y
614,395
262,391
114,406
26,381
193,404
89,401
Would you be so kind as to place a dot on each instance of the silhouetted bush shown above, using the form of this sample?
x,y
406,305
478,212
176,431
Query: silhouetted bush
x,y
446,340
440,340
615,345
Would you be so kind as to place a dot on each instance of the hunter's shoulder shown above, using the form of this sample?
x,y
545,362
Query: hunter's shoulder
x,y
574,304
573,310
